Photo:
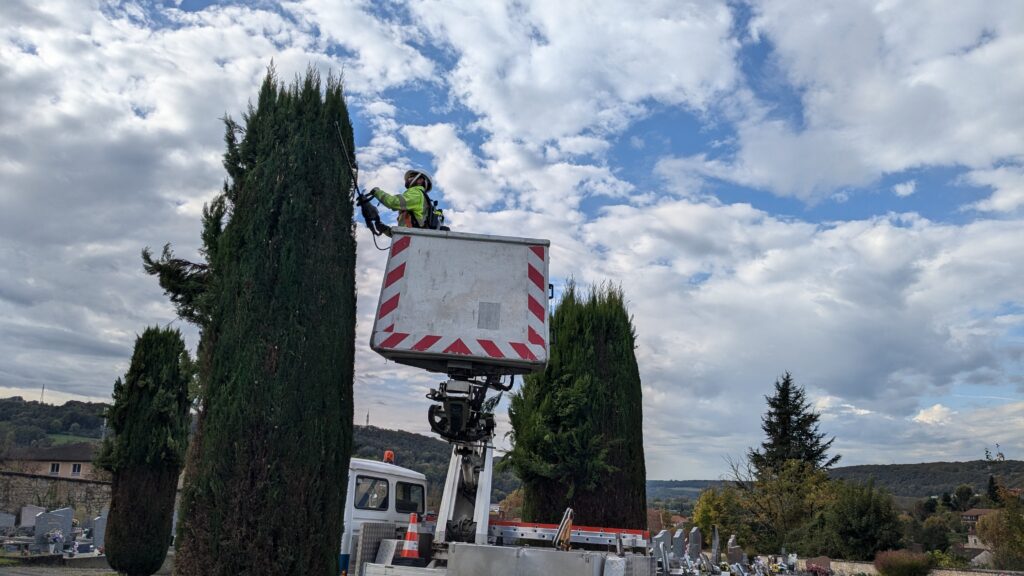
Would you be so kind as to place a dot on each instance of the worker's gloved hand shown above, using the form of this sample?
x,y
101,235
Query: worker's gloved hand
x,y
375,192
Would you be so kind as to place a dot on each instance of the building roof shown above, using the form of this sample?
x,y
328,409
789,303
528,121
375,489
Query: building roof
x,y
977,512
81,452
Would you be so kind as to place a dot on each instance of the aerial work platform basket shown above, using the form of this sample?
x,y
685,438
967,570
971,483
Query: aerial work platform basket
x,y
452,302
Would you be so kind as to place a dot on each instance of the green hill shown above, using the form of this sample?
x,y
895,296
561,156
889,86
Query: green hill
x,y
30,423
421,453
934,478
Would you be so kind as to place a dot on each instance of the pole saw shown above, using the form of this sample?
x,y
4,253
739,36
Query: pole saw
x,y
370,214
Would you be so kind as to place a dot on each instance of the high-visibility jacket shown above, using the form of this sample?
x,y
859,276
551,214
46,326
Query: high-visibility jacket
x,y
410,205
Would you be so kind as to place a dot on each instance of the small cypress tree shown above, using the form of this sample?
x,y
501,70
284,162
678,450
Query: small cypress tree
x,y
578,426
149,422
791,427
265,477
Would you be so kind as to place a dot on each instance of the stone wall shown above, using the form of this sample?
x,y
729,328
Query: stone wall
x,y
86,497
851,568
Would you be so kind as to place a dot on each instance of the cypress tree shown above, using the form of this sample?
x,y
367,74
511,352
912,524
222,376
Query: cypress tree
x,y
791,427
149,421
578,426
265,478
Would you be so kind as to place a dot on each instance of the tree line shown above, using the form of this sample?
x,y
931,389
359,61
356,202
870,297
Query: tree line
x,y
26,423
782,497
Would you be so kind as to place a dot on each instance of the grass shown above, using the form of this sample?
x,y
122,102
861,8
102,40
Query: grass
x,y
59,439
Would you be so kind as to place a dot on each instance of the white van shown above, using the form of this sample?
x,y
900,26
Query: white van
x,y
379,492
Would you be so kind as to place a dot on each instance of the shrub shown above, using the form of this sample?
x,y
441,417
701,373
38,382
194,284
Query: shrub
x,y
942,559
902,563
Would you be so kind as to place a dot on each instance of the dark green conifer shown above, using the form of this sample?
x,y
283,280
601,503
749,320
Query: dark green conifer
x,y
149,422
265,479
791,427
578,426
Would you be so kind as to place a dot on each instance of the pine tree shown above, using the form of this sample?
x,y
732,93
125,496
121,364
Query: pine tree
x,y
578,426
275,301
993,490
149,422
792,430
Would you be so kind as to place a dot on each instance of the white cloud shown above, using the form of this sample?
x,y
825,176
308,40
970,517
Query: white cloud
x,y
384,56
1008,185
934,415
904,189
884,87
541,71
110,141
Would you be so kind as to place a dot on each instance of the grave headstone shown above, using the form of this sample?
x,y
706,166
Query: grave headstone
x,y
99,530
6,520
28,515
661,538
733,552
49,524
716,552
678,541
695,544
663,553
67,516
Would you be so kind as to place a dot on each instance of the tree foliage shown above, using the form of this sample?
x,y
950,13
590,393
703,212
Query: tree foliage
x,y
578,426
791,427
934,478
722,507
858,521
29,423
275,302
1004,532
149,424
963,497
779,502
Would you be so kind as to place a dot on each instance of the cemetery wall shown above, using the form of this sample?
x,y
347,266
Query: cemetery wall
x,y
87,497
851,568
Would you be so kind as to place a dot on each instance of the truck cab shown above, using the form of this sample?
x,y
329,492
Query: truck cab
x,y
379,492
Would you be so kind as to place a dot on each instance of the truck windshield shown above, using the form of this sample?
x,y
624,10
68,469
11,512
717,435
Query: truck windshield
x,y
371,493
409,498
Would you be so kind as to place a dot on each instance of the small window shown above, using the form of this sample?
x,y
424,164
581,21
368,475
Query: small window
x,y
54,467
371,493
409,498
76,469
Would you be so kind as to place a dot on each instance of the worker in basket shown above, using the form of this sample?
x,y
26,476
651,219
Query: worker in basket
x,y
415,208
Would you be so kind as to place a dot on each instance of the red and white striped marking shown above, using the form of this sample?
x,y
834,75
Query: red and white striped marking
x,y
533,349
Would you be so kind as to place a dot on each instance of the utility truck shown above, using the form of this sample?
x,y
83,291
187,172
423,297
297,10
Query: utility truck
x,y
379,492
474,308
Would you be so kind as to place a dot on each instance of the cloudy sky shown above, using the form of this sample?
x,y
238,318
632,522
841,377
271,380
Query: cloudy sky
x,y
830,188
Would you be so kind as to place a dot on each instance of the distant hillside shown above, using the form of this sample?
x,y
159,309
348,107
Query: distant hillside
x,y
669,489
421,453
31,423
934,478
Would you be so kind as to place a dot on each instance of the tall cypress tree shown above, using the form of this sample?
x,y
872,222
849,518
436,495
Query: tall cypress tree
x,y
149,421
275,301
791,427
578,426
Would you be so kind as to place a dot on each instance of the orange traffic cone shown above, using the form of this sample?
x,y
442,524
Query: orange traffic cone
x,y
411,546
